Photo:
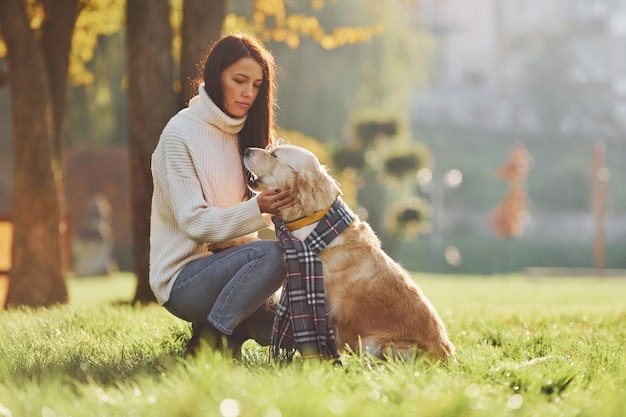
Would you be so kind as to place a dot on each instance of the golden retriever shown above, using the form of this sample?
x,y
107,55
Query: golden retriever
x,y
373,304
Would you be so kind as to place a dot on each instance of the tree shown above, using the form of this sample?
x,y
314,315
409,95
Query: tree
x,y
378,70
150,105
387,166
201,24
39,36
38,72
38,55
508,219
199,29
149,40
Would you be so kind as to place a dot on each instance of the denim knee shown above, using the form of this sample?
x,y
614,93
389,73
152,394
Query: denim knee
x,y
275,256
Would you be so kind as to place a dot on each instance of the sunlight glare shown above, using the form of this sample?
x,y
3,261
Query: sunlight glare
x,y
453,178
472,391
424,179
230,408
515,402
453,256
273,412
5,412
336,405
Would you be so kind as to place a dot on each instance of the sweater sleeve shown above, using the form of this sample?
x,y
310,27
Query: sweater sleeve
x,y
192,206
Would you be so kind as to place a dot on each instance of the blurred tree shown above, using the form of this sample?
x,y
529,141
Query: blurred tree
x,y
386,166
289,22
147,87
270,21
202,25
409,219
508,220
320,88
44,40
49,29
150,79
98,112
38,60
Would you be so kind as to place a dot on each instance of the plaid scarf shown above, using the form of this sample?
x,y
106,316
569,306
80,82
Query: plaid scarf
x,y
301,321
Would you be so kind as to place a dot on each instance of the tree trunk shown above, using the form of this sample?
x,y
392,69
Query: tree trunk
x,y
56,42
36,277
202,25
150,106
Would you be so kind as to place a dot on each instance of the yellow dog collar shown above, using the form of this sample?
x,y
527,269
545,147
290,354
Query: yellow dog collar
x,y
305,221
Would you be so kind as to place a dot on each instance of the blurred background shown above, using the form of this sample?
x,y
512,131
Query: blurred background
x,y
477,138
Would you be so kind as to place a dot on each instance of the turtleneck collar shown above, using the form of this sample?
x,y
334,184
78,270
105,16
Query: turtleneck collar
x,y
202,107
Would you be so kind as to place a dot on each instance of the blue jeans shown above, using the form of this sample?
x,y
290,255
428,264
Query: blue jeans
x,y
231,286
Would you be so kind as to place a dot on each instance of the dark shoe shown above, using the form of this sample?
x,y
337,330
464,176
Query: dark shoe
x,y
237,339
204,333
259,325
199,331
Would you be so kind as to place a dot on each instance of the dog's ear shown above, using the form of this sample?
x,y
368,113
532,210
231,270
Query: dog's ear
x,y
314,190
326,188
335,186
304,194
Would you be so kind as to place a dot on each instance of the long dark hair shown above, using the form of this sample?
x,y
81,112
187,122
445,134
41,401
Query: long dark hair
x,y
259,127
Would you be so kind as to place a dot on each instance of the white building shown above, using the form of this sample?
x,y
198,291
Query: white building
x,y
490,51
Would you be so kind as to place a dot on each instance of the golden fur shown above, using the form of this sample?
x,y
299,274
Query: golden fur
x,y
373,304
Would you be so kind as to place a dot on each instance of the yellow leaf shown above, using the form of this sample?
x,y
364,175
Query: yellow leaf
x,y
317,4
328,42
293,40
279,35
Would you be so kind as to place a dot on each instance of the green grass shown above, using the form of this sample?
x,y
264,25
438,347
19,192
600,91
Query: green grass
x,y
553,347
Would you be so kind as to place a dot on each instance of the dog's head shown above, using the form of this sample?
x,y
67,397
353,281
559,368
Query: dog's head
x,y
294,168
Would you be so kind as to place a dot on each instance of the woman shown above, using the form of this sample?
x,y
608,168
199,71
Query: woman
x,y
201,203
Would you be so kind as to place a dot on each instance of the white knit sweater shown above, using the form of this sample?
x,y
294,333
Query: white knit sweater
x,y
199,191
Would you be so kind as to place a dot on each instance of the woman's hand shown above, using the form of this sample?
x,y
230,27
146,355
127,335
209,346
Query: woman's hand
x,y
272,201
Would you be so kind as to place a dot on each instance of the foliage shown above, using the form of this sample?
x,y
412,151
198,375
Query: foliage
x,y
100,20
405,162
368,130
508,220
98,111
320,89
176,21
549,348
386,164
409,219
349,157
272,21
97,18
355,32
410,215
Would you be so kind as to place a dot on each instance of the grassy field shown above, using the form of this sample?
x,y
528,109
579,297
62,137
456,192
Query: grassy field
x,y
552,347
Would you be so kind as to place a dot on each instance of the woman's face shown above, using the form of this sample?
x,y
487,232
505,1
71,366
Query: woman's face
x,y
240,84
